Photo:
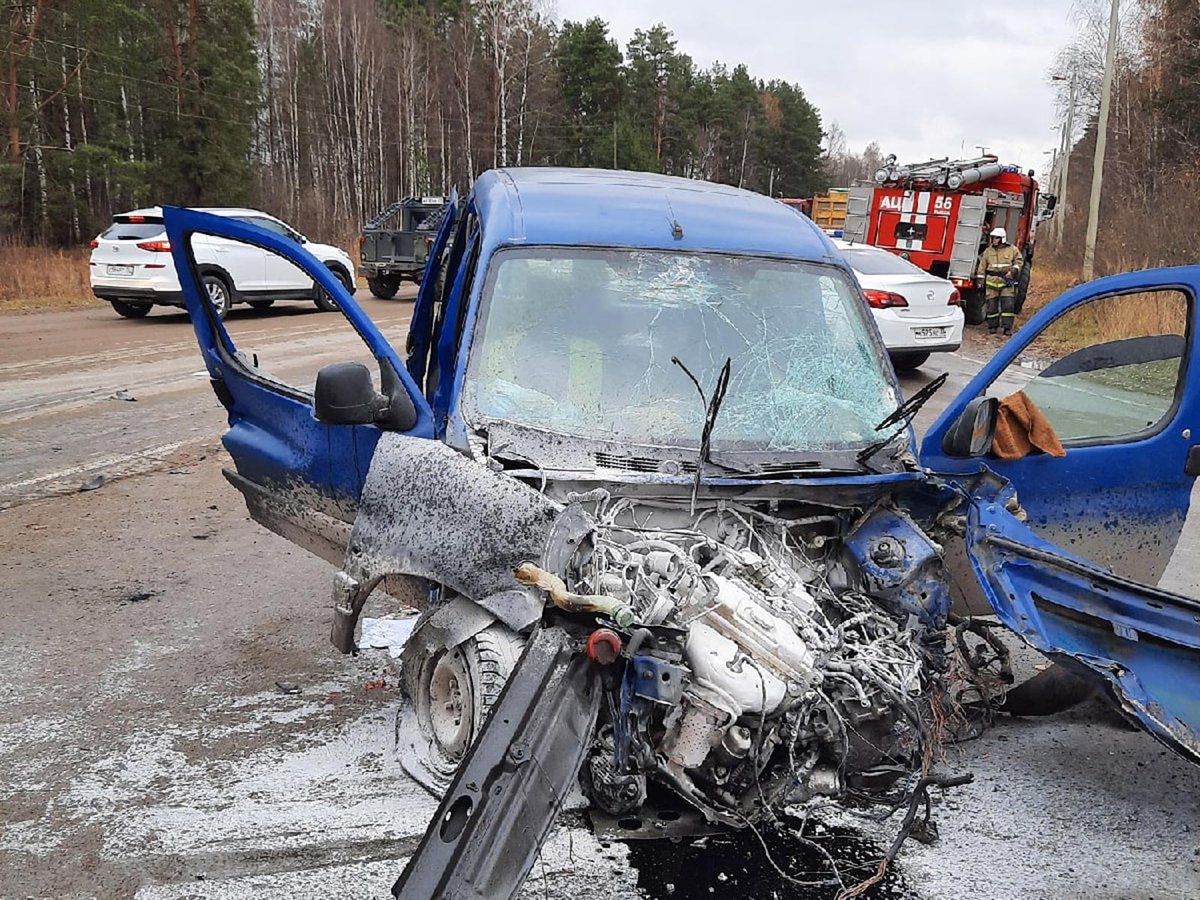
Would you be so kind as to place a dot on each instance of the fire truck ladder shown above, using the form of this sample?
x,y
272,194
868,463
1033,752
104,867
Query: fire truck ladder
x,y
950,173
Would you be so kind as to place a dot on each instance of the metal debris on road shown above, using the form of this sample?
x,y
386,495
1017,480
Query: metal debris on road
x,y
139,596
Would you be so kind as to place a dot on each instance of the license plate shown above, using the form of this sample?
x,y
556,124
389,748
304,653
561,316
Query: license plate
x,y
929,332
120,270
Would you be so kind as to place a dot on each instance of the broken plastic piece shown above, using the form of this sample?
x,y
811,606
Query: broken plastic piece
x,y
603,646
94,484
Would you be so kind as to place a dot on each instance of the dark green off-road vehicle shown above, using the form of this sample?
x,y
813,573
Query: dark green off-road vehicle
x,y
386,256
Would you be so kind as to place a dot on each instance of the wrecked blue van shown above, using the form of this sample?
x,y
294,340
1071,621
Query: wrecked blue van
x,y
645,468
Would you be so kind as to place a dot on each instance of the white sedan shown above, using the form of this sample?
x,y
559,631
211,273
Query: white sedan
x,y
917,313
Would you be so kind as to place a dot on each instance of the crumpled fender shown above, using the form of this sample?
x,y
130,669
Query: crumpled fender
x,y
1142,641
430,513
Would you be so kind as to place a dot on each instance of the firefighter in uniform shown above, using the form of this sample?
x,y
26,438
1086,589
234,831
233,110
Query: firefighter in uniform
x,y
1000,268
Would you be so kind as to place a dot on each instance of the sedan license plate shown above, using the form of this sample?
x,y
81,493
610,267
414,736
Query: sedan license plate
x,y
120,270
929,332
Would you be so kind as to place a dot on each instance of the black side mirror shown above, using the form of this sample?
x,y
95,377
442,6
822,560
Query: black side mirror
x,y
1051,202
972,432
345,395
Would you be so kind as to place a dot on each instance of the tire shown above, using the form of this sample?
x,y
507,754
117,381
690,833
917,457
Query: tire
x,y
131,310
384,286
452,693
974,306
1023,285
1051,691
218,293
906,362
324,301
260,304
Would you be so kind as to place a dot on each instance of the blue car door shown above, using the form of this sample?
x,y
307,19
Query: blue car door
x,y
301,477
1098,446
429,295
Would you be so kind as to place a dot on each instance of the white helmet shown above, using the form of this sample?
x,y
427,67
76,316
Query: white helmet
x,y
999,233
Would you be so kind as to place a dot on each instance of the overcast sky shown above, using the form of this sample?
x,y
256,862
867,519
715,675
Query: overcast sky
x,y
924,78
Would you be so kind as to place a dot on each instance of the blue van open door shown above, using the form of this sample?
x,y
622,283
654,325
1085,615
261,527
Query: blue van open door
x,y
294,465
1102,520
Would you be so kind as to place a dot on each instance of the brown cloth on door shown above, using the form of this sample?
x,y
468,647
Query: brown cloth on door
x,y
1021,427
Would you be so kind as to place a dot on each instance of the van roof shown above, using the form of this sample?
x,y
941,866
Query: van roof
x,y
601,207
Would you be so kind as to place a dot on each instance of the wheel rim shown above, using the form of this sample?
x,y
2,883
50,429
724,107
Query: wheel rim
x,y
451,705
217,294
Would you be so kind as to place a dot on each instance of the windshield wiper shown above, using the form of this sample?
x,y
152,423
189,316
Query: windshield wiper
x,y
907,410
902,415
712,406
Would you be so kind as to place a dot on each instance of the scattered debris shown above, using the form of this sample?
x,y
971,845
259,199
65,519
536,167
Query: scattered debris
x,y
95,483
138,596
123,395
386,634
287,687
919,797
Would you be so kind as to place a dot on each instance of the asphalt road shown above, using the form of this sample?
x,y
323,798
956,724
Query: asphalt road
x,y
174,724
62,375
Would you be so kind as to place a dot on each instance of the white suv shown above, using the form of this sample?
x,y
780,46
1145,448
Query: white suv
x,y
131,266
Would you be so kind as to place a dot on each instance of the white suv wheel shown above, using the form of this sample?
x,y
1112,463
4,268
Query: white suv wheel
x,y
218,294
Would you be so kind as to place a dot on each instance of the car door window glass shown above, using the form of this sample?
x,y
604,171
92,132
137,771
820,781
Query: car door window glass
x,y
1106,370
277,325
270,225
446,344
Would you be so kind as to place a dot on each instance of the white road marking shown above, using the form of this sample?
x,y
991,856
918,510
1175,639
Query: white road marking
x,y
108,462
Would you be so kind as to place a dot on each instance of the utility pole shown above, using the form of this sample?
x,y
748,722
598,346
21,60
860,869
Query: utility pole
x,y
1110,63
1068,139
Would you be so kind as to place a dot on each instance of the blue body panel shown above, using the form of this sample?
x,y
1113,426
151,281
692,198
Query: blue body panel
x,y
913,581
1120,503
1144,642
603,208
273,437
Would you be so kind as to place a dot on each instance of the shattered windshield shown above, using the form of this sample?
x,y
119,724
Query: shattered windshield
x,y
580,341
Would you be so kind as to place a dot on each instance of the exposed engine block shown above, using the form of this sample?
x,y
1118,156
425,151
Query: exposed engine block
x,y
785,676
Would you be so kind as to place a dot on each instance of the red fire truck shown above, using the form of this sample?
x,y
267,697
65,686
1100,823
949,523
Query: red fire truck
x,y
937,215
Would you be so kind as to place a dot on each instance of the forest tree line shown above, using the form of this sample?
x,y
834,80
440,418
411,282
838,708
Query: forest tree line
x,y
1150,206
324,111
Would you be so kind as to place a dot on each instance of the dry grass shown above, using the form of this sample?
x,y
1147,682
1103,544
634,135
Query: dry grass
x,y
1108,319
1045,284
43,277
